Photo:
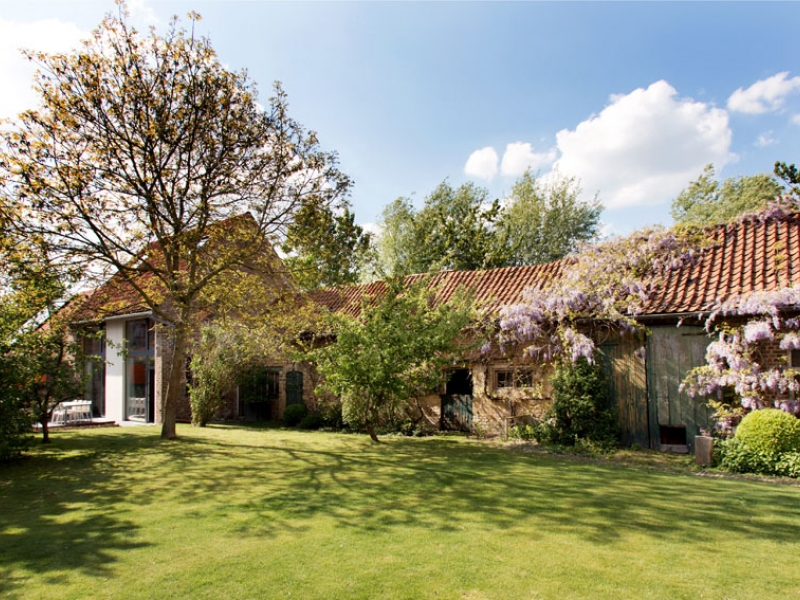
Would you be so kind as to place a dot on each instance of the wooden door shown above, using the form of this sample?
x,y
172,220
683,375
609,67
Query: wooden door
x,y
625,374
671,353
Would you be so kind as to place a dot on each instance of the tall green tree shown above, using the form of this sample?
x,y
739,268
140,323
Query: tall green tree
x,y
143,144
544,222
462,229
40,362
707,201
325,249
453,230
398,247
393,351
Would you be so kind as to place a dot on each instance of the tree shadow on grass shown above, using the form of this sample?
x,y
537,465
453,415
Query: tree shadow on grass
x,y
56,515
58,509
439,486
446,485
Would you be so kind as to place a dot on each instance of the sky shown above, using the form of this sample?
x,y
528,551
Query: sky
x,y
631,98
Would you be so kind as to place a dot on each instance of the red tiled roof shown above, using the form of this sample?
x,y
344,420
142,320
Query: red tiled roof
x,y
115,297
742,257
750,255
492,289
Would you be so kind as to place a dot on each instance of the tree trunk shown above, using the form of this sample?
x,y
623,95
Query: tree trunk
x,y
372,418
44,421
371,431
172,394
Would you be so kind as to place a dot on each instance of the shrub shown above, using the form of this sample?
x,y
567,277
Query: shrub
x,y
294,414
770,430
312,421
737,456
581,408
15,428
523,432
331,412
767,442
788,465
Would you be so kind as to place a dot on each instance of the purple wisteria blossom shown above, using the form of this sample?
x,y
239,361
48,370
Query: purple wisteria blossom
x,y
790,341
578,345
755,331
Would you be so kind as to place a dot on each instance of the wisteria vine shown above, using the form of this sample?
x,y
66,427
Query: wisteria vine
x,y
606,285
734,360
609,284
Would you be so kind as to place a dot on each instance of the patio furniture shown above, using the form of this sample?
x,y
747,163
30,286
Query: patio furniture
x,y
74,411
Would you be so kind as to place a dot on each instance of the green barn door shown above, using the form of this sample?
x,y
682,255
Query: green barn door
x,y
675,417
627,389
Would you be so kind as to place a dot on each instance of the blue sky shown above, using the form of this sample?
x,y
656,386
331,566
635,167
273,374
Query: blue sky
x,y
631,98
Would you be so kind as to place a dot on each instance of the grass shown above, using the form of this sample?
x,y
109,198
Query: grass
x,y
231,512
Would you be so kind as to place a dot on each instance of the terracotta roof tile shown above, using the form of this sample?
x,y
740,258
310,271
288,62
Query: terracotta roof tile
x,y
742,257
492,288
739,258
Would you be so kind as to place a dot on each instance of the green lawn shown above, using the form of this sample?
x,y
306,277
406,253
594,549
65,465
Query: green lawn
x,y
263,513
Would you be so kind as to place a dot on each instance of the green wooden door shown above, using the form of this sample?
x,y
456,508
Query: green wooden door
x,y
457,402
671,353
457,412
294,388
627,388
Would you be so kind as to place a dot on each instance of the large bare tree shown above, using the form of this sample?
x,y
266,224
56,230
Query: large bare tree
x,y
142,146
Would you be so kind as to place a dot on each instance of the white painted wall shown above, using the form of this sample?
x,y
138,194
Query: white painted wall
x,y
115,371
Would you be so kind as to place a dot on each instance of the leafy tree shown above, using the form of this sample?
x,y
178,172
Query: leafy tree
x,y
234,345
461,229
453,230
40,364
789,174
392,352
544,222
142,146
326,249
458,227
398,249
706,201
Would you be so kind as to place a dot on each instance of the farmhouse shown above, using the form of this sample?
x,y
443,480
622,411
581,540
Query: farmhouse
x,y
490,391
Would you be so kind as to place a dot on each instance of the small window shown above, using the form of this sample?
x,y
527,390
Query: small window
x,y
514,378
139,335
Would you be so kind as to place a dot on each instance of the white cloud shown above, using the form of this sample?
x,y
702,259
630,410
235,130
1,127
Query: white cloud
x,y
141,12
765,95
766,139
645,146
482,163
16,72
796,119
519,157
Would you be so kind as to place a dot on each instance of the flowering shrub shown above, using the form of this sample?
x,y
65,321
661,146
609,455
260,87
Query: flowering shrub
x,y
734,359
603,289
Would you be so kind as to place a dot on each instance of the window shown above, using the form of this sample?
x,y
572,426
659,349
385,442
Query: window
x,y
514,378
94,369
139,335
140,371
